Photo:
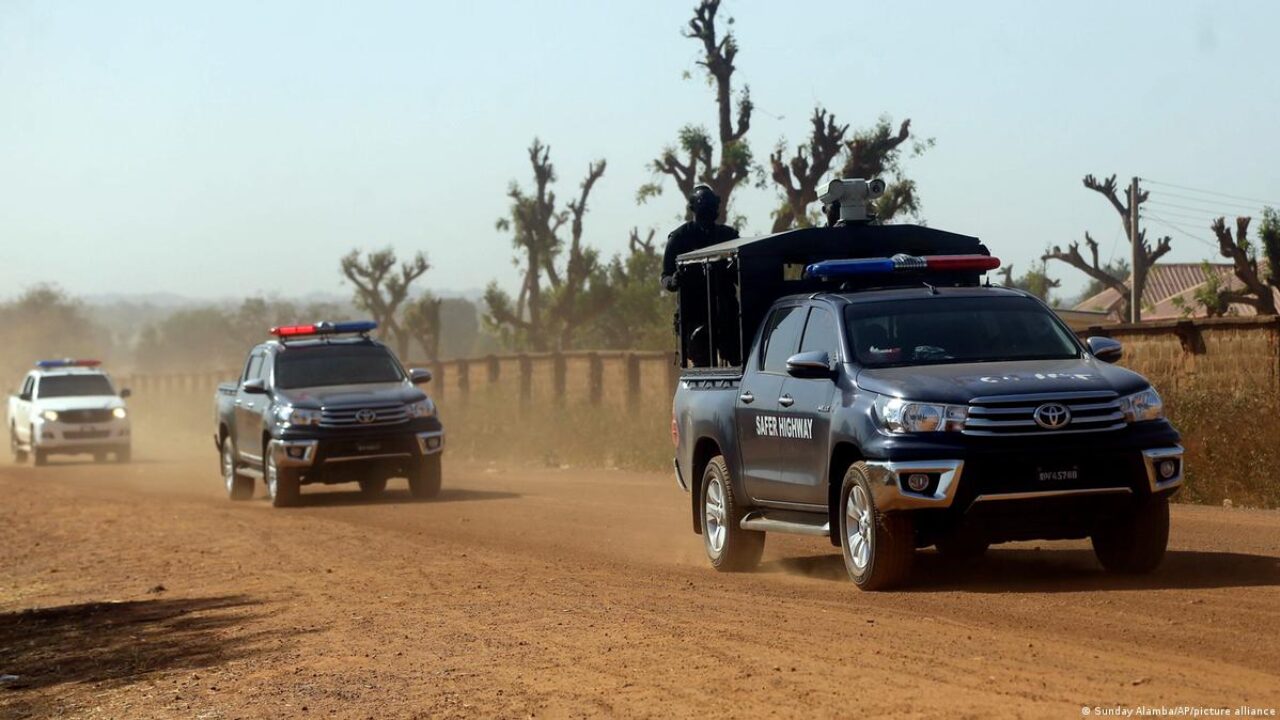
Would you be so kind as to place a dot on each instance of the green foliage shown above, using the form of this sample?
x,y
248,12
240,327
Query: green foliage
x,y
1035,281
1230,441
44,322
1269,238
640,312
1210,296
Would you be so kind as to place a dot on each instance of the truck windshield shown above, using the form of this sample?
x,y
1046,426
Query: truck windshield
x,y
335,365
53,386
931,331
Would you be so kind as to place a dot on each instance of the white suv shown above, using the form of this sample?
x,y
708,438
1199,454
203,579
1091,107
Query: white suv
x,y
68,407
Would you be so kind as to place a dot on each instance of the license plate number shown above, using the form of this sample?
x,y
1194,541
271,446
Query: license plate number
x,y
1058,474
368,447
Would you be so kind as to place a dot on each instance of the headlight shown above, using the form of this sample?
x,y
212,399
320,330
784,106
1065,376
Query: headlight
x,y
298,416
903,416
422,409
120,413
1145,405
50,415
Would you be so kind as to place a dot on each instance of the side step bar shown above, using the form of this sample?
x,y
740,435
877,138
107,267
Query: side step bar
x,y
254,473
784,521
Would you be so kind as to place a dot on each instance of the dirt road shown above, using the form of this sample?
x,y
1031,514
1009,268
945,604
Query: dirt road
x,y
140,591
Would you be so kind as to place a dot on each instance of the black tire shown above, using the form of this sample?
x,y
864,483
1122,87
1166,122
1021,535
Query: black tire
x,y
372,488
882,548
15,448
39,457
283,484
728,546
961,547
426,478
239,487
1135,542
124,455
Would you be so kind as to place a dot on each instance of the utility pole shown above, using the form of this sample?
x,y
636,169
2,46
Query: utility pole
x,y
1135,245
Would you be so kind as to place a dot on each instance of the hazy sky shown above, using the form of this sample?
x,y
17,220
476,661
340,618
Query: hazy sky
x,y
222,149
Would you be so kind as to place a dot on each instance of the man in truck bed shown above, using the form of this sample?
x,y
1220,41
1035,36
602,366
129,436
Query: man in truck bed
x,y
889,401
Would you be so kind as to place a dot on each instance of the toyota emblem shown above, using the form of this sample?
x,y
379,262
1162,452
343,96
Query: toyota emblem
x,y
366,416
1052,416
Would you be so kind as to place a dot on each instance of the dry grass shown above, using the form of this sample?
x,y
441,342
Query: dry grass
x,y
1233,446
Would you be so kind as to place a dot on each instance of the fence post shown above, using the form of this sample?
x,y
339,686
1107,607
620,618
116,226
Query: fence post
x,y
558,372
595,378
464,378
526,380
633,380
495,369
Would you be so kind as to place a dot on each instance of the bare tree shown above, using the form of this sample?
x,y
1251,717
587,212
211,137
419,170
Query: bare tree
x,y
799,177
422,322
692,160
382,287
1146,255
1257,291
540,315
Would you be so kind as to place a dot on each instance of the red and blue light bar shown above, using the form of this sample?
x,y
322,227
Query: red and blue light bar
x,y
66,362
324,328
860,267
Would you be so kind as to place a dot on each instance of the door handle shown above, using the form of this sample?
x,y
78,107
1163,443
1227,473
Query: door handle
x,y
786,401
747,397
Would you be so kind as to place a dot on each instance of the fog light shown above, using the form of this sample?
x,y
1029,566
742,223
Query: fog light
x,y
919,482
433,443
297,453
1168,468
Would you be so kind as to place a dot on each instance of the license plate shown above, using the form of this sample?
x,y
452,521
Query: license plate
x,y
368,447
1058,474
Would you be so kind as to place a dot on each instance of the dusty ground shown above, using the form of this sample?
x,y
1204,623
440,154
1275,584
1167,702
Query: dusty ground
x,y
140,591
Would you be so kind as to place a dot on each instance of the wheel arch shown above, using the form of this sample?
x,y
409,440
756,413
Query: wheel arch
x,y
843,455
704,450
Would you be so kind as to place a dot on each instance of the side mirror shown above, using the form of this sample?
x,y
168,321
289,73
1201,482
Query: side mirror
x,y
816,364
126,393
420,376
25,397
256,386
1105,349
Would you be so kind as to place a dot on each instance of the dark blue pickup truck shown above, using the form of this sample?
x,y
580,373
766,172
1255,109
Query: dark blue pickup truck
x,y
889,401
325,403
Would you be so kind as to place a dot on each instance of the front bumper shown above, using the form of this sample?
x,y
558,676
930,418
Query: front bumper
x,y
336,450
54,436
1154,471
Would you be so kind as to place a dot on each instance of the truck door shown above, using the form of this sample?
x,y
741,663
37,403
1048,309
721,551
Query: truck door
x,y
757,409
805,448
248,411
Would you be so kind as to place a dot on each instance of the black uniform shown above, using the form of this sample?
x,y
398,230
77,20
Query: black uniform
x,y
687,238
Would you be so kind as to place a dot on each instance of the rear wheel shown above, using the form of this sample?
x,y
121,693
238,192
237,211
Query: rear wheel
x,y
15,448
282,483
728,546
372,488
1135,542
426,478
878,548
239,487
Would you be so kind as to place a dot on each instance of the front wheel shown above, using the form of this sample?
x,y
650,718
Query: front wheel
x,y
283,484
239,487
426,478
878,548
1134,542
728,546
19,454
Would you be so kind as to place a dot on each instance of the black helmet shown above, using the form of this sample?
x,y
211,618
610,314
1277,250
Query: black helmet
x,y
704,199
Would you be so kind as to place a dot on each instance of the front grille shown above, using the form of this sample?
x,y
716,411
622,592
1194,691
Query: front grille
x,y
80,417
1010,415
86,434
364,415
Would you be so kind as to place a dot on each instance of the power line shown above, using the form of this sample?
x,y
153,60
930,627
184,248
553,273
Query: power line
x,y
1192,198
1211,192
1182,230
1186,216
1210,211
